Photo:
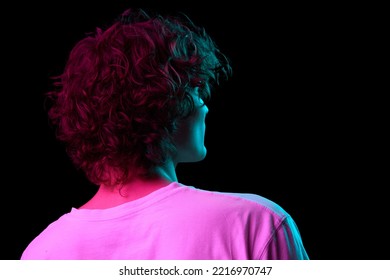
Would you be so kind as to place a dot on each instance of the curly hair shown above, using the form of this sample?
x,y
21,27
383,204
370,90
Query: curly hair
x,y
123,89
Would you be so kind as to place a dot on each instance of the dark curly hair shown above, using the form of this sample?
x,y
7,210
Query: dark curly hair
x,y
123,89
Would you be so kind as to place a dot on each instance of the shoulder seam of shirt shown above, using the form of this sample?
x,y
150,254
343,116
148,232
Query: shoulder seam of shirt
x,y
282,221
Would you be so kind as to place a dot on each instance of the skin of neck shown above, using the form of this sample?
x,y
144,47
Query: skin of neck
x,y
137,187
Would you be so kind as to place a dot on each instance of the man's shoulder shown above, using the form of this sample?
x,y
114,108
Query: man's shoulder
x,y
236,202
51,236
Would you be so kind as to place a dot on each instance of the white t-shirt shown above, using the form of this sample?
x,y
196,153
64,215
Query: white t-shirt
x,y
176,222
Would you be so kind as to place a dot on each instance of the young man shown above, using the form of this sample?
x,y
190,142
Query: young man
x,y
130,106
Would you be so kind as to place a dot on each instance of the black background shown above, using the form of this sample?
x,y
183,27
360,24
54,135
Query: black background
x,y
302,122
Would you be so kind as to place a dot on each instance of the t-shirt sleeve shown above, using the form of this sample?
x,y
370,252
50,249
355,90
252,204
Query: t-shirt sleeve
x,y
285,243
